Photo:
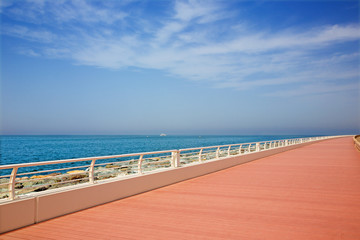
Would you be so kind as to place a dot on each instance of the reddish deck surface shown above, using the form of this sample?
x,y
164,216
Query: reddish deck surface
x,y
312,192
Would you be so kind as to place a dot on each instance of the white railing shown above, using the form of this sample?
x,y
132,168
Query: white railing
x,y
24,180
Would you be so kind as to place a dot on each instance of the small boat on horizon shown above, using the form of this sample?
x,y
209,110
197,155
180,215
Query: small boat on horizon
x,y
162,135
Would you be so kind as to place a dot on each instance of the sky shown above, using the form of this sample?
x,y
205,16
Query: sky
x,y
180,67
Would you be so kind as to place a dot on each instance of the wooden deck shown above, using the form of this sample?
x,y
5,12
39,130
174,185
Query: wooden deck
x,y
312,192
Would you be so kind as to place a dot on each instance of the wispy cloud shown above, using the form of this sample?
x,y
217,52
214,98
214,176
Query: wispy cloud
x,y
80,10
65,11
202,11
193,40
28,34
29,52
4,4
316,89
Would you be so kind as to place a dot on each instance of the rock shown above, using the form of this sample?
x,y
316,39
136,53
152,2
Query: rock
x,y
42,188
19,185
54,174
4,180
104,177
38,176
76,171
34,183
111,165
4,195
76,174
124,168
42,176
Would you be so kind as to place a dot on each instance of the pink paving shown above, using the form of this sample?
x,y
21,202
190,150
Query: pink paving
x,y
312,192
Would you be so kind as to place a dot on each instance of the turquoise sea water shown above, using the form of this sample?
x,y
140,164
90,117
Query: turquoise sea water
x,y
24,149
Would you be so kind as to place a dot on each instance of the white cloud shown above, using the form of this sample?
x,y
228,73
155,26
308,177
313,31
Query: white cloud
x,y
63,11
80,10
28,34
315,89
187,11
29,52
189,44
167,31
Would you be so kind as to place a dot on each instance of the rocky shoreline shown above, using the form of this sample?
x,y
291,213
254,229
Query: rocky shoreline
x,y
38,183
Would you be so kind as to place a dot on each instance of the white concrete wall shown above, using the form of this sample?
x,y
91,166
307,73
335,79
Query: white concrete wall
x,y
54,203
16,214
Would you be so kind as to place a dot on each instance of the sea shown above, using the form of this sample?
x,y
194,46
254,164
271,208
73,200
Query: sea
x,y
25,149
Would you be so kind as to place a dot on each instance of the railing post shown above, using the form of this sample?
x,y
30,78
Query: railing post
x,y
228,152
200,155
175,157
91,171
240,149
140,164
257,147
249,148
217,154
12,184
177,162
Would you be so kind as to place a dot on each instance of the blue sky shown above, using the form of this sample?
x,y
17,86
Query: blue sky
x,y
180,67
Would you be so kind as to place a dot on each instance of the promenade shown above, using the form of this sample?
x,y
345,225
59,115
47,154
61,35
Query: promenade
x,y
312,192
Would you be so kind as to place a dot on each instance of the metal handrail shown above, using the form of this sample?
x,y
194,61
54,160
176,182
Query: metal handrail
x,y
172,158
80,159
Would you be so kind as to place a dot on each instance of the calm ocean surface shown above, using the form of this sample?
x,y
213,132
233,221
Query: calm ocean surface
x,y
24,149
